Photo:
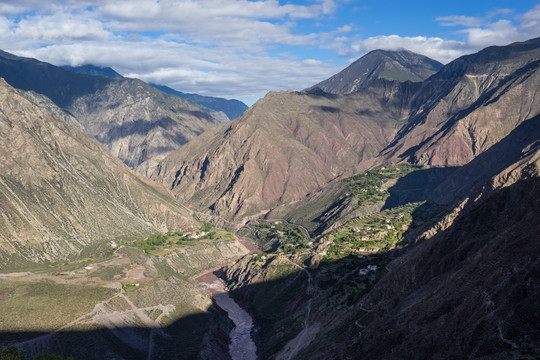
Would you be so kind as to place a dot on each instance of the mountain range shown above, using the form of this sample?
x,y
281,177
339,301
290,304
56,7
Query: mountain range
x,y
293,143
391,212
220,108
136,122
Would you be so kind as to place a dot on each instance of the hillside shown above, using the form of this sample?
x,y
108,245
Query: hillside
x,y
135,121
400,65
62,194
471,104
213,105
282,148
447,278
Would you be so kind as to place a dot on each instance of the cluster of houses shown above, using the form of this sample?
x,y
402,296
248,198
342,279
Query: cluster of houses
x,y
194,235
357,230
369,268
368,250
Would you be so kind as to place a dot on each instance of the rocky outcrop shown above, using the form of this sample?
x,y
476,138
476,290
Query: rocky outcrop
x,y
62,193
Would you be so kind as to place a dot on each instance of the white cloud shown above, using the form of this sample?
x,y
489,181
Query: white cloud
x,y
230,48
209,71
478,33
459,20
60,28
433,47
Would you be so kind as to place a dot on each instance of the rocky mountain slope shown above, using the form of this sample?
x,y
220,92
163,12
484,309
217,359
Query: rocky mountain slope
x,y
62,194
471,104
282,148
218,107
460,282
401,65
261,160
135,121
475,271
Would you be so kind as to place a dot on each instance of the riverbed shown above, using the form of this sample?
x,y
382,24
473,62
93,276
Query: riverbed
x,y
241,346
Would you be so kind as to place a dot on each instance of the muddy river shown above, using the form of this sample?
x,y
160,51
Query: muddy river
x,y
242,346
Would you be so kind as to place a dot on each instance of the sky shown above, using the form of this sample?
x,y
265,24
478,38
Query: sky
x,y
242,49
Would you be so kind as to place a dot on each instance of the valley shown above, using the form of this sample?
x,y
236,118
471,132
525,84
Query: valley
x,y
137,297
388,212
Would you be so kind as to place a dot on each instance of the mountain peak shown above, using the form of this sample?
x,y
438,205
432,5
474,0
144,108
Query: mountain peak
x,y
400,65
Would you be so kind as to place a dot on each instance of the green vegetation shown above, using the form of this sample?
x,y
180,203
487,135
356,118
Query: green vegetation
x,y
109,273
368,186
279,237
381,231
205,227
161,244
130,286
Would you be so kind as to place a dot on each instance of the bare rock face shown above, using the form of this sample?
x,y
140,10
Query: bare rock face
x,y
471,104
401,65
61,192
283,147
138,123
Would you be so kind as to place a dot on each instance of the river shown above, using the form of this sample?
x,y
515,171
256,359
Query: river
x,y
242,346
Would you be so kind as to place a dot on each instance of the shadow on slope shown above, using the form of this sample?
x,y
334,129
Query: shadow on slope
x,y
473,288
444,185
183,339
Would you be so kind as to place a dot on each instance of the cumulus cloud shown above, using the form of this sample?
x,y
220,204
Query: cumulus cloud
x,y
459,20
433,47
60,28
477,33
220,72
229,48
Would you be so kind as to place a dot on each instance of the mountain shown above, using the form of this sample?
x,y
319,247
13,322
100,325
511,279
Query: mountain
x,y
138,123
473,271
135,121
461,283
62,194
232,108
219,108
471,104
93,70
400,65
261,159
283,147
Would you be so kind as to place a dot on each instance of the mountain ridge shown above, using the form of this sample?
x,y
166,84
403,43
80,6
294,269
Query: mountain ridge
x,y
113,109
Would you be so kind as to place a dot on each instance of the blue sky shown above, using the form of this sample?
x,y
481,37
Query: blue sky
x,y
243,49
